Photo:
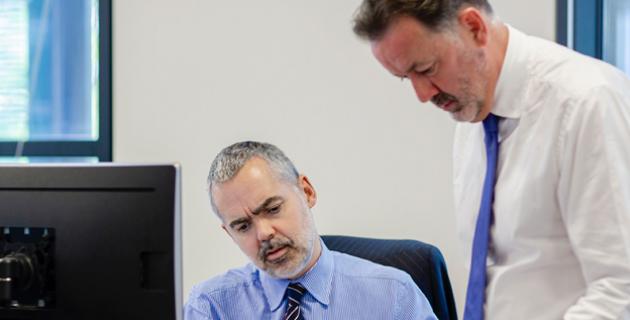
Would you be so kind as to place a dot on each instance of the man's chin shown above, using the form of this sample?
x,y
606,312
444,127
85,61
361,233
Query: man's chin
x,y
457,116
465,114
281,273
282,268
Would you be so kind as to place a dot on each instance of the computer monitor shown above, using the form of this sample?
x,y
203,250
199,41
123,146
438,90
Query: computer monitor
x,y
98,241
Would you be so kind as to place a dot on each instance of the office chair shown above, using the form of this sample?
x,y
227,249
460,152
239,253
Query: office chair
x,y
423,262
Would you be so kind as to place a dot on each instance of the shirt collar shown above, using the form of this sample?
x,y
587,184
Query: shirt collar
x,y
512,82
318,281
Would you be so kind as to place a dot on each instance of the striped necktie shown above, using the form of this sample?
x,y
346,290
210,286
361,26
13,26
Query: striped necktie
x,y
476,293
295,292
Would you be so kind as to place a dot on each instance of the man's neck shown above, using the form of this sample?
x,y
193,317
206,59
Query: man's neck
x,y
499,37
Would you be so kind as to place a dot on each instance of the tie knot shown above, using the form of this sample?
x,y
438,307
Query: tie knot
x,y
295,291
491,123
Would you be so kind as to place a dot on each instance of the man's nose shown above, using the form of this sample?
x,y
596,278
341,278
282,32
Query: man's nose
x,y
264,230
425,89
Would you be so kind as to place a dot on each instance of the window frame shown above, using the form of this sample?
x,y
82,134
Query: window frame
x,y
101,148
579,25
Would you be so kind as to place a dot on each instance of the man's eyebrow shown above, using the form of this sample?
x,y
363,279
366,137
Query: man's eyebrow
x,y
414,66
238,221
406,72
266,204
411,69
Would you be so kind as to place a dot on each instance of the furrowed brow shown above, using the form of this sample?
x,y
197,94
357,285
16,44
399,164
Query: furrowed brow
x,y
266,204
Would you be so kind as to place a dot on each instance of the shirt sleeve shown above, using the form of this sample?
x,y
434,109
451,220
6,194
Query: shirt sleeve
x,y
199,307
411,303
191,313
594,197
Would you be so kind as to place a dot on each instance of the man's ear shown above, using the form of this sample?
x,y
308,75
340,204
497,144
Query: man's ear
x,y
309,192
474,24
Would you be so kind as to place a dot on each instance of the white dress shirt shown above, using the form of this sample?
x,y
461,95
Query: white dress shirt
x,y
560,245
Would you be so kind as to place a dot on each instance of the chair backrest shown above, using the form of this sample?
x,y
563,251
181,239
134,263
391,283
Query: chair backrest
x,y
423,262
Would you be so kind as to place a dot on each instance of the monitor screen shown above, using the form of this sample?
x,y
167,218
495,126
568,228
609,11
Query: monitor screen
x,y
90,241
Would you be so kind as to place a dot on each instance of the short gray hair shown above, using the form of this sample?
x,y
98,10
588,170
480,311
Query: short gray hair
x,y
232,158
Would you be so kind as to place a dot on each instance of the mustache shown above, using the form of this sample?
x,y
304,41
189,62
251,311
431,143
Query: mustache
x,y
271,245
441,98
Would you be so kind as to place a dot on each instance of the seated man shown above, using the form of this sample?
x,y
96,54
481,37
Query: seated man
x,y
264,206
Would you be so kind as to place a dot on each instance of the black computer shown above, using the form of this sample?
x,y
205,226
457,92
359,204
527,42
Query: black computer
x,y
97,241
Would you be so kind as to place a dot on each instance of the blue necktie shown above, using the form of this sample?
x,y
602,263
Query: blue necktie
x,y
295,292
476,293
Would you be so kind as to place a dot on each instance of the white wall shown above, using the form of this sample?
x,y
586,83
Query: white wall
x,y
192,76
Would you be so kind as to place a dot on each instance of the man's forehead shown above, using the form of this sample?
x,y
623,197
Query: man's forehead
x,y
240,198
405,42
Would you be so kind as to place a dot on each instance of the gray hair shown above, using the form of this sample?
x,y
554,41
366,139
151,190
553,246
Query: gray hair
x,y
232,158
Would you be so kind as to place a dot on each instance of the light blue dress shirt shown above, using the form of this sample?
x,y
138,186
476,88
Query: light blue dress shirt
x,y
339,286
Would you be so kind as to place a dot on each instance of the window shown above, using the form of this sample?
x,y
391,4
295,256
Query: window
x,y
599,28
55,93
616,32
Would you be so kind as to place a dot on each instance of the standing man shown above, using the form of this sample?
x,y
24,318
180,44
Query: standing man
x,y
542,186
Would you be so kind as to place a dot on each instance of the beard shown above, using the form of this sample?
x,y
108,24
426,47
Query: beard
x,y
467,105
296,258
468,113
464,109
